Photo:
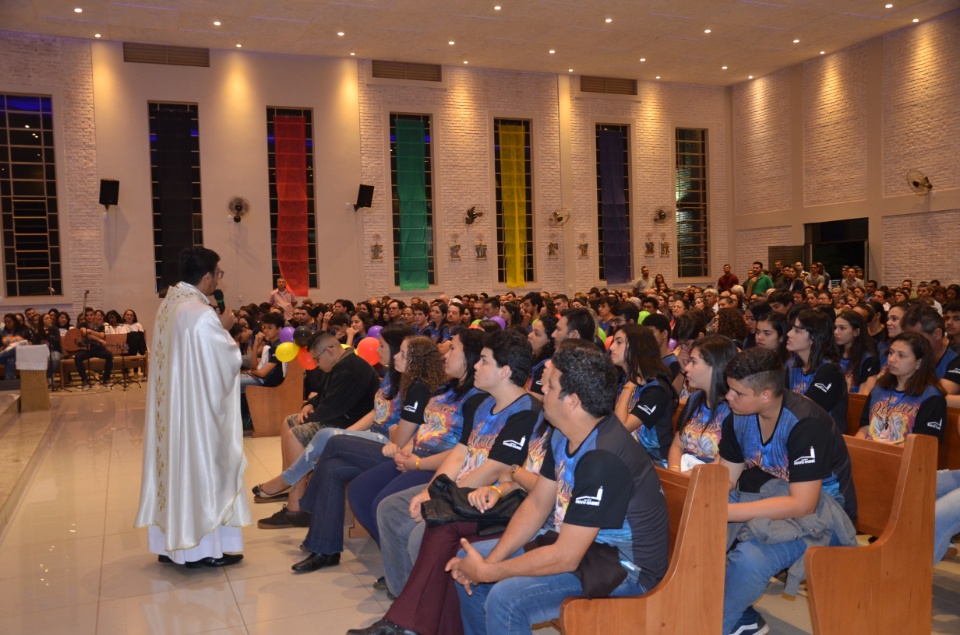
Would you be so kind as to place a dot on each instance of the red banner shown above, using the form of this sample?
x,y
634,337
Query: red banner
x,y
291,160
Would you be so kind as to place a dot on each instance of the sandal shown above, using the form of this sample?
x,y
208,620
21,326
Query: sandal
x,y
260,496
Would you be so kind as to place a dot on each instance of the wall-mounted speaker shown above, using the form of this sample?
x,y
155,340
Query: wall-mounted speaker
x,y
109,192
364,197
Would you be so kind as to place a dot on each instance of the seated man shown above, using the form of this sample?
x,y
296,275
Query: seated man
x,y
94,342
927,322
268,371
782,451
345,395
598,489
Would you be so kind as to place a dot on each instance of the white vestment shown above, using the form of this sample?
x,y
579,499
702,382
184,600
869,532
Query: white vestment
x,y
193,459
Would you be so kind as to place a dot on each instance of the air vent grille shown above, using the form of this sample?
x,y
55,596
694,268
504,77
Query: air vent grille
x,y
138,53
407,70
608,85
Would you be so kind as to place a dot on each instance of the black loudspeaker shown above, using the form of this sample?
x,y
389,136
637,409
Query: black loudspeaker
x,y
109,192
364,197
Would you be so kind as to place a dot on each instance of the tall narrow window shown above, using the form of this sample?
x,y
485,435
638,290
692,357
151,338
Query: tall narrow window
x,y
293,223
28,195
613,203
412,192
514,201
175,176
691,177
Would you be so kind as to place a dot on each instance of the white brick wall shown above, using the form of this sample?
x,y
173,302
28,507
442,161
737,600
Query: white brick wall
x,y
921,250
752,245
921,108
835,128
761,143
62,68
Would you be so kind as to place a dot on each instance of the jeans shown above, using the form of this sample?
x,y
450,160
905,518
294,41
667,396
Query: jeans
x,y
371,487
249,380
303,465
513,605
399,539
750,565
96,352
344,458
53,365
947,514
9,360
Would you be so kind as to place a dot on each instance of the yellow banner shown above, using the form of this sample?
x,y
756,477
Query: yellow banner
x,y
513,190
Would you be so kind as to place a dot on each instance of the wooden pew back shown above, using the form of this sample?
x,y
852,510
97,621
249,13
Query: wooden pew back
x,y
269,407
948,455
883,587
855,404
697,506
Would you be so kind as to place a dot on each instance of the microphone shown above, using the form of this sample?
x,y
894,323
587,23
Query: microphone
x,y
218,296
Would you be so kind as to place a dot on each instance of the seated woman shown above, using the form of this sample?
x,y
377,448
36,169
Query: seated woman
x,y
647,400
379,425
698,429
360,323
511,314
541,339
813,370
438,420
894,328
49,334
858,356
771,333
907,398
730,323
113,325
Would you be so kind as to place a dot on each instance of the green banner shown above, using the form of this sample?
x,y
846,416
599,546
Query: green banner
x,y
513,193
411,188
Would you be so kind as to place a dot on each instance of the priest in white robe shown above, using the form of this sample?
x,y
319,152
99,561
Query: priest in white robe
x,y
192,494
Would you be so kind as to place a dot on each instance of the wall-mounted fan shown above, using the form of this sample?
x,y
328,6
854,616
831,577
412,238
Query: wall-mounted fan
x,y
660,215
919,183
239,208
472,215
560,217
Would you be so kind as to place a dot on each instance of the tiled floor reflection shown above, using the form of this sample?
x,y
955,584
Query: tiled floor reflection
x,y
72,562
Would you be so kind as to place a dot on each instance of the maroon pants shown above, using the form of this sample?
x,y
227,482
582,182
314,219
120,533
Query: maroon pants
x,y
429,603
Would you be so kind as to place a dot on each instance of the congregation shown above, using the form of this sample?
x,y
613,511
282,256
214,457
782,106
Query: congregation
x,y
543,416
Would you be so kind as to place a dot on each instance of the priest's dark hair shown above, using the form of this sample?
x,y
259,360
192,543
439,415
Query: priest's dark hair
x,y
196,262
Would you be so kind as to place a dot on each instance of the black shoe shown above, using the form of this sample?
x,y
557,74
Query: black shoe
x,y
380,584
317,561
382,627
285,518
260,496
162,559
225,560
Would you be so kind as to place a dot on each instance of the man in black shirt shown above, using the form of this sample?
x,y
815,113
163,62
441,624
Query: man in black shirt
x,y
94,340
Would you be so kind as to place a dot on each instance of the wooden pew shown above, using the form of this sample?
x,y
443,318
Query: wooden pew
x,y
883,587
269,407
689,599
948,454
855,404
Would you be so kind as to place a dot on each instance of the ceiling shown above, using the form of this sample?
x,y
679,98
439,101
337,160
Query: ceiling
x,y
749,37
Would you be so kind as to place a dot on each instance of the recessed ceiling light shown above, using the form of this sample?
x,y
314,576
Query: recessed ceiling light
x,y
643,59
78,10
823,52
496,8
723,68
96,35
889,5
608,20
569,70
465,62
796,41
353,54
749,76
916,20
216,23
706,30
239,46
451,42
552,51
658,77
340,33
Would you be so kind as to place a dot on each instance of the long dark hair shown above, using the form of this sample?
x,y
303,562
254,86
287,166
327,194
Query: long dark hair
x,y
472,342
393,335
820,328
424,364
924,376
861,345
513,310
716,351
779,324
642,355
549,326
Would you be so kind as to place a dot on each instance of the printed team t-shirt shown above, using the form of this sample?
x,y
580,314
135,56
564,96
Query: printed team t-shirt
x,y
869,366
700,435
502,436
890,415
652,403
442,422
386,412
826,386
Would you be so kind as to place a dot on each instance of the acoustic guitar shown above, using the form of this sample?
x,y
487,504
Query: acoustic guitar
x,y
73,340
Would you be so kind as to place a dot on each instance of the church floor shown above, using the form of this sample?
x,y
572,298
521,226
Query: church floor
x,y
71,561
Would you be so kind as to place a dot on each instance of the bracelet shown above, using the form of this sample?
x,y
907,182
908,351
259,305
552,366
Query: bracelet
x,y
496,489
416,465
674,466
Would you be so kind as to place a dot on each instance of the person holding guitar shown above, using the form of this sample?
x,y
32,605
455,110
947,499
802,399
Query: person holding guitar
x,y
93,345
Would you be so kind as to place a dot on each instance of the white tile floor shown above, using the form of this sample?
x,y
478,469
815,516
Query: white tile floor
x,y
72,562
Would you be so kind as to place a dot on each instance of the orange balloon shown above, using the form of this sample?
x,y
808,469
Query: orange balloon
x,y
367,350
306,359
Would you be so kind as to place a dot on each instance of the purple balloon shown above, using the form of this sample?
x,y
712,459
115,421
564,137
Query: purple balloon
x,y
286,334
374,331
499,320
672,343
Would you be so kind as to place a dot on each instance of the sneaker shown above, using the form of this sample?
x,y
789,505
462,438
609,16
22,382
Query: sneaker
x,y
751,625
285,518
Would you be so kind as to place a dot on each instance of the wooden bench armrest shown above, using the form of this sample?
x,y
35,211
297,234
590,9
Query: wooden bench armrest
x,y
694,577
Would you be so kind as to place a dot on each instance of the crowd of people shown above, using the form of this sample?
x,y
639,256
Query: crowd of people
x,y
501,450
51,329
